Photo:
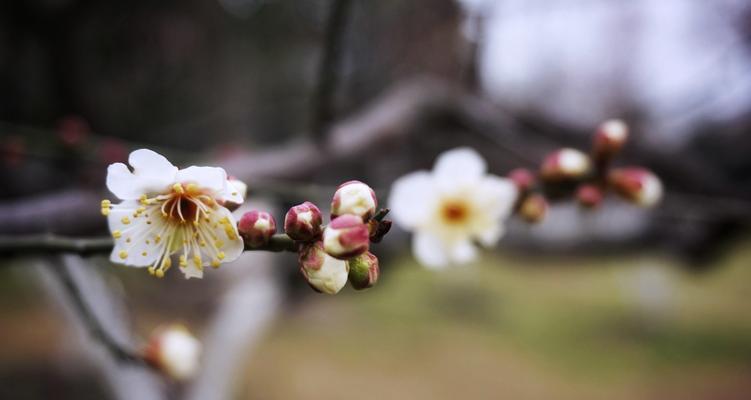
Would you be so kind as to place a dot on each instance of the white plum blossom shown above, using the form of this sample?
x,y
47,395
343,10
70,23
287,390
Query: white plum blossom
x,y
452,207
167,211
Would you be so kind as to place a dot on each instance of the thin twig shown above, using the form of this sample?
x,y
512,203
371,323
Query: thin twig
x,y
329,67
90,321
54,244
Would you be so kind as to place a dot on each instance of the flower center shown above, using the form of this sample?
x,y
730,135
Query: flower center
x,y
454,212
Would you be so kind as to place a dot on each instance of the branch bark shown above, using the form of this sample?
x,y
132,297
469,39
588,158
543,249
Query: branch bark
x,y
53,244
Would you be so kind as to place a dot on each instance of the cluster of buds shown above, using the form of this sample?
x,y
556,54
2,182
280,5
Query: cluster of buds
x,y
332,254
588,177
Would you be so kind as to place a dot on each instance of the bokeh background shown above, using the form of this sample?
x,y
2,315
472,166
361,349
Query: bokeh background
x,y
618,303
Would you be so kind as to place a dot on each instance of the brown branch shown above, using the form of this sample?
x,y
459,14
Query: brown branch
x,y
54,244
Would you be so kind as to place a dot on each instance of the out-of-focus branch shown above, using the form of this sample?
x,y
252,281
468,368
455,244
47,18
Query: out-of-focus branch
x,y
90,321
329,68
53,244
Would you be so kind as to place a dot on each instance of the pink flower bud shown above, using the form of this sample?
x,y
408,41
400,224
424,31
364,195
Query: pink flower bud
x,y
356,198
523,178
363,271
174,351
589,196
303,222
325,274
565,164
637,185
256,228
610,138
346,237
533,208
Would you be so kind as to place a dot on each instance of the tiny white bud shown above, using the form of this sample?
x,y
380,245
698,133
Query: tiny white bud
x,y
356,198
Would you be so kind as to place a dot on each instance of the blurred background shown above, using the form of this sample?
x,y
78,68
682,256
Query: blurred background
x,y
295,97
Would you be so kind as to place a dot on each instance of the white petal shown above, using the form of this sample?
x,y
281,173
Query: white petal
x,y
455,169
192,271
219,244
145,161
152,173
235,192
463,252
211,178
135,245
489,236
495,196
153,167
412,199
429,250
122,183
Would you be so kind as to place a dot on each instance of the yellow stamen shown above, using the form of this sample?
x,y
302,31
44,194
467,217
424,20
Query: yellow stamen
x,y
183,261
159,273
125,220
123,254
221,255
178,188
215,263
116,234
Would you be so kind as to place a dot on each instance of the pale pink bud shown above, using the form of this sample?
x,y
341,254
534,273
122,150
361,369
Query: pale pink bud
x,y
565,164
636,184
533,208
356,198
589,196
174,351
523,178
610,138
323,273
256,228
363,271
303,222
346,237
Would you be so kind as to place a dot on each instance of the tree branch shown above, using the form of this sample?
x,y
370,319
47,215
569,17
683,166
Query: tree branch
x,y
54,244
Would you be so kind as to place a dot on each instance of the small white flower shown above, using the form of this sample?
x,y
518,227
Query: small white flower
x,y
451,207
174,351
166,211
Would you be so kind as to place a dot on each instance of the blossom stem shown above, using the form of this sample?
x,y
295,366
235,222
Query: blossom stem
x,y
54,244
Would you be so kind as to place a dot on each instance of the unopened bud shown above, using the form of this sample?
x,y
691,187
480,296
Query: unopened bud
x,y
523,178
174,351
363,270
636,184
346,237
533,208
565,164
355,198
589,196
610,138
256,228
323,273
303,222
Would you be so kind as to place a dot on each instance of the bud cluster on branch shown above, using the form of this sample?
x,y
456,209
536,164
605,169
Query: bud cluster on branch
x,y
588,178
329,255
